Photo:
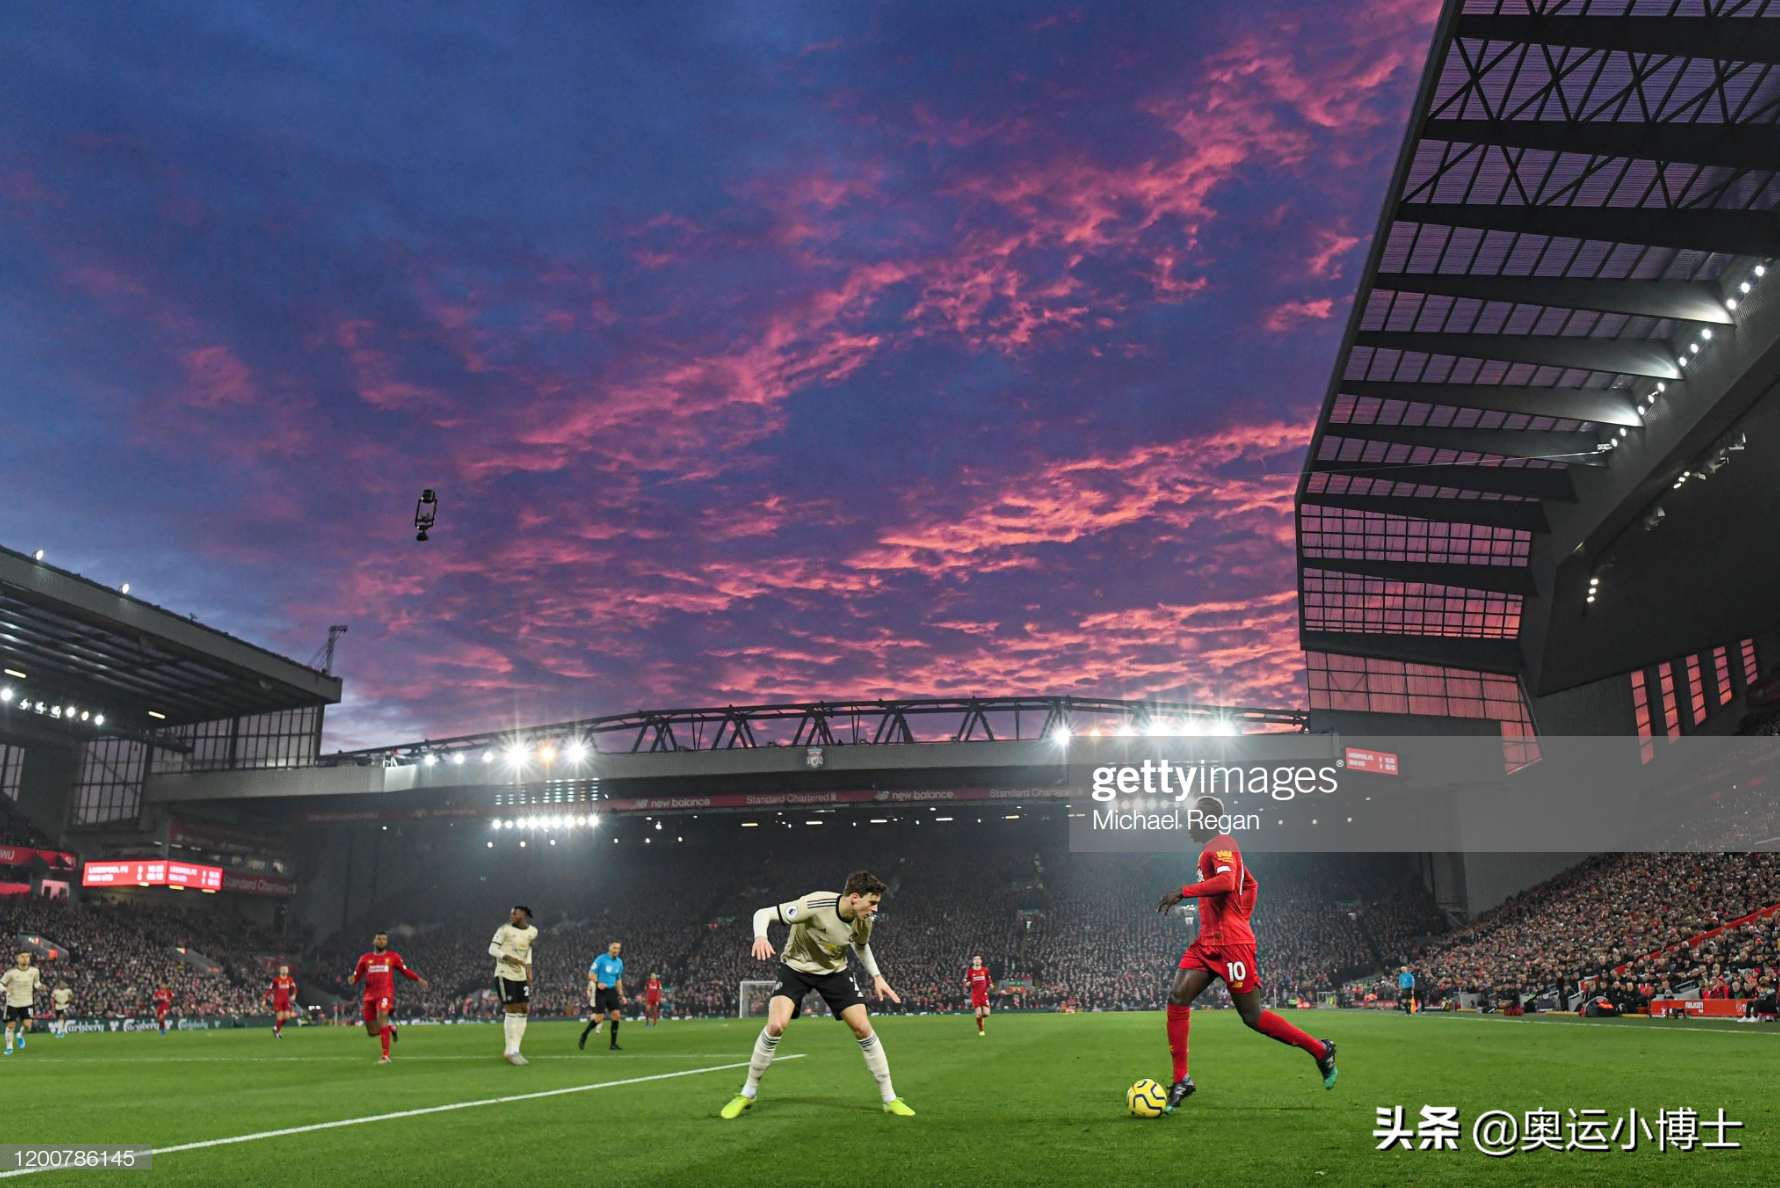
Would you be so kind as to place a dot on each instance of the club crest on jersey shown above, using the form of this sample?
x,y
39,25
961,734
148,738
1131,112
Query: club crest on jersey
x,y
1225,856
791,913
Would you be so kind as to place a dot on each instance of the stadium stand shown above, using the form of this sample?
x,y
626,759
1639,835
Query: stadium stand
x,y
1636,919
119,953
1058,930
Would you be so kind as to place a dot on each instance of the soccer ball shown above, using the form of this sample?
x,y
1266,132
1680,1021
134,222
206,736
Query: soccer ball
x,y
1146,1099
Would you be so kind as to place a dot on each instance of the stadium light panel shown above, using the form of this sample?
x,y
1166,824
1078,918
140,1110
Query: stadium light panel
x,y
38,555
6,693
124,589
98,719
1693,348
159,717
458,759
547,753
516,754
13,672
1730,303
85,714
942,818
488,756
880,820
432,760
1745,286
575,751
491,845
1760,270
580,820
806,823
593,822
1706,334
1061,735
750,824
1124,730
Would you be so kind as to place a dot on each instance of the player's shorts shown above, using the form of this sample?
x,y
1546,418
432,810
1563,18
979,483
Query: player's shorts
x,y
18,1014
605,1001
839,990
61,1015
281,1006
1235,964
978,1000
161,1012
513,991
375,1005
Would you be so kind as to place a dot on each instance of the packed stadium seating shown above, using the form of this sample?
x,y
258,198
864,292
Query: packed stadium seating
x,y
1058,930
1619,912
119,953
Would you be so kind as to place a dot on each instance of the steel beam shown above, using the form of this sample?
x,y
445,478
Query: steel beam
x,y
1502,579
1606,406
1576,449
1622,356
1733,232
1690,301
1479,655
1527,515
1498,480
1727,39
1730,146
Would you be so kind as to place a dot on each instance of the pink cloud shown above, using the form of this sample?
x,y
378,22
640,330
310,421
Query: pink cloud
x,y
1294,313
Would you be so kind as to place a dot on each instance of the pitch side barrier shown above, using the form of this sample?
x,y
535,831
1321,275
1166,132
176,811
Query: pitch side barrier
x,y
1330,793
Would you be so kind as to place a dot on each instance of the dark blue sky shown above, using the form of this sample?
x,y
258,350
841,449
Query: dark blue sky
x,y
756,351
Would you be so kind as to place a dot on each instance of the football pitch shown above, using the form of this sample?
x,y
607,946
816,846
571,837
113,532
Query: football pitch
x,y
1039,1101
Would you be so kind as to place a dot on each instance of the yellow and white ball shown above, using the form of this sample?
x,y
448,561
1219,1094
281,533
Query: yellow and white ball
x,y
1146,1099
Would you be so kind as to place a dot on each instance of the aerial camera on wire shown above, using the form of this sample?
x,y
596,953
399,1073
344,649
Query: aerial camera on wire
x,y
425,513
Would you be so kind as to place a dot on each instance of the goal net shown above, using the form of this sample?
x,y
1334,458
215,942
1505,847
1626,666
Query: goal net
x,y
753,998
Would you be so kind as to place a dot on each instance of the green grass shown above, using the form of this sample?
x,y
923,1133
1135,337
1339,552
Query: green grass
x,y
1040,1101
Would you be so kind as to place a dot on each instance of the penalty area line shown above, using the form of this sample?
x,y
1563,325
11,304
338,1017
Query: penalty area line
x,y
439,1109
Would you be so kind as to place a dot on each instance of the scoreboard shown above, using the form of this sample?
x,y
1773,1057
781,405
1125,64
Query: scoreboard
x,y
152,872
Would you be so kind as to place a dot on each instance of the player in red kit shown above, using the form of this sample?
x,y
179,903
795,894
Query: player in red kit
x,y
163,1005
652,1001
1225,948
978,982
378,970
284,989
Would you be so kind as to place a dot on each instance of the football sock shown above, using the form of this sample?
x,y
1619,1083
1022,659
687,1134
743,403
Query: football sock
x,y
1180,1019
1276,1027
879,1064
519,1022
507,1030
384,1036
586,1031
979,1022
614,1033
764,1047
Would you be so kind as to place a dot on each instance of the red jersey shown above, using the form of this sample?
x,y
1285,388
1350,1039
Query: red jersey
x,y
978,981
163,1000
283,988
652,991
378,972
1226,892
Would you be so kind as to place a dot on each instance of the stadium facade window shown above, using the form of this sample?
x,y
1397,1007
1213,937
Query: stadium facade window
x,y
1641,710
289,738
1353,535
1721,669
109,787
1751,673
12,766
1671,710
1696,690
1377,606
1379,686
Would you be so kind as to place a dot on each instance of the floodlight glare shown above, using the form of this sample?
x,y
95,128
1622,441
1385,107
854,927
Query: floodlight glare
x,y
6,693
547,753
98,719
432,760
1061,735
575,751
458,758
516,754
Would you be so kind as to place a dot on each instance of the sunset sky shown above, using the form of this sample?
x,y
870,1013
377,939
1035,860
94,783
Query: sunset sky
x,y
757,351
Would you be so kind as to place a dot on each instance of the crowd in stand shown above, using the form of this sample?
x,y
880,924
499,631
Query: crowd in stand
x,y
118,954
1057,930
1615,927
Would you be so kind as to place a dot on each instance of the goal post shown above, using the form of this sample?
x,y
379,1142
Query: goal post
x,y
752,998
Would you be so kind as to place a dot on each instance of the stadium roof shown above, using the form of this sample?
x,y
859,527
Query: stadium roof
x,y
106,652
1565,319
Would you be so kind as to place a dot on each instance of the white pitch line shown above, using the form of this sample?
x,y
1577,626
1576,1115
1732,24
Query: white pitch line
x,y
459,1105
58,1061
